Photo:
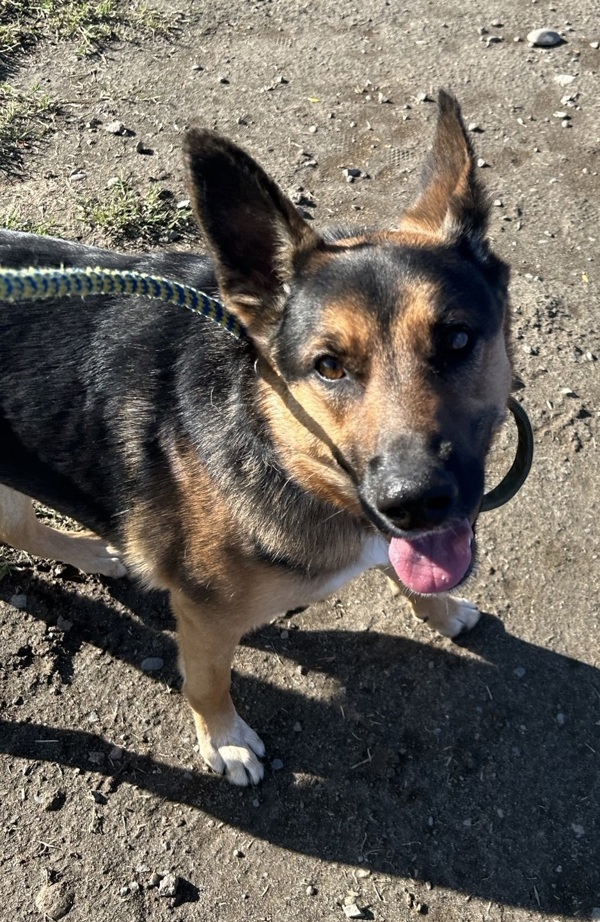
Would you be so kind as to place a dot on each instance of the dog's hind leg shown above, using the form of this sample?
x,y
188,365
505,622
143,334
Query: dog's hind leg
x,y
20,528
446,614
207,639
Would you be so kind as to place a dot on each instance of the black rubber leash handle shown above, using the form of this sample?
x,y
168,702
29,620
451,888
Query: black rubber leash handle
x,y
517,475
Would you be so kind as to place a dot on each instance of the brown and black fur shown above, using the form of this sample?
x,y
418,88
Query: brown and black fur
x,y
249,477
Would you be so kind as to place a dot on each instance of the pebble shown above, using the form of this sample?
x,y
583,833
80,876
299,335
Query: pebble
x,y
519,672
277,765
423,97
595,46
141,148
168,886
152,664
297,727
352,172
54,900
352,911
63,624
117,127
564,79
544,38
19,601
238,853
473,126
481,162
311,891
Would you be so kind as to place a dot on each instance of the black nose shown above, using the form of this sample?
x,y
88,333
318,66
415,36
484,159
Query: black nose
x,y
417,504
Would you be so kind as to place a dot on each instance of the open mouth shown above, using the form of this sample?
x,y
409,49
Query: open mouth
x,y
434,562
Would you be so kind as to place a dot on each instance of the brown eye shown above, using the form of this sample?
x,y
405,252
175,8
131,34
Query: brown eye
x,y
329,368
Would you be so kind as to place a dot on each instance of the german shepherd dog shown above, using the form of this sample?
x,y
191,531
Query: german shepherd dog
x,y
248,477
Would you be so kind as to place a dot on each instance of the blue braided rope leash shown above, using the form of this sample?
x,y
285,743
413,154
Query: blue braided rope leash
x,y
41,284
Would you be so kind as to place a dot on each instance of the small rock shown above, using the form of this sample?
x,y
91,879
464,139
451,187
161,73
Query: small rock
x,y
382,99
544,38
223,79
54,900
99,797
578,829
481,162
565,79
197,67
19,601
313,129
362,873
238,853
352,911
63,624
96,758
473,126
152,663
297,727
78,176
311,891
154,880
116,753
493,40
519,672
117,127
169,885
595,46
141,148
423,97
561,114
276,765
497,23
352,171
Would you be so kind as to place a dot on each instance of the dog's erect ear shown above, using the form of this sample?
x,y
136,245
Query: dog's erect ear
x,y
452,205
255,234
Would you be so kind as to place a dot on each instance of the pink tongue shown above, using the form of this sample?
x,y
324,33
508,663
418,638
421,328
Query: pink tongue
x,y
436,562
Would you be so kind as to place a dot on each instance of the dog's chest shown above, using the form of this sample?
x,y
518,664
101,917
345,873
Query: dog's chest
x,y
374,554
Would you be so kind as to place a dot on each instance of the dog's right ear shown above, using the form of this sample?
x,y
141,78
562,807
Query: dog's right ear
x,y
255,234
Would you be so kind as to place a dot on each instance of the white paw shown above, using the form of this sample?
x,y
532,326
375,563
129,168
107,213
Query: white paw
x,y
449,616
235,753
98,557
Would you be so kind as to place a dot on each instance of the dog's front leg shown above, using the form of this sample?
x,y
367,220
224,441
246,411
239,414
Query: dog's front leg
x,y
207,640
443,613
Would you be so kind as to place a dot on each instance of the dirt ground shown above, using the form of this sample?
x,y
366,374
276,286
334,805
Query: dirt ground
x,y
406,775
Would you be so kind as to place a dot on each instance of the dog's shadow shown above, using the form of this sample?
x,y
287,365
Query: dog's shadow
x,y
477,773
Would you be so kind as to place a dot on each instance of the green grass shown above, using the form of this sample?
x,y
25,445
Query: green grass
x,y
25,117
11,220
23,23
124,216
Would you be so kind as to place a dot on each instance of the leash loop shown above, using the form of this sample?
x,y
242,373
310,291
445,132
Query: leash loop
x,y
512,482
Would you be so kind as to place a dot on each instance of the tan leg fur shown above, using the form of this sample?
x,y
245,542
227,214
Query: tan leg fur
x,y
20,528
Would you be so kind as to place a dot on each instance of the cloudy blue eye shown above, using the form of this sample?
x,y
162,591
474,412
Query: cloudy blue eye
x,y
458,340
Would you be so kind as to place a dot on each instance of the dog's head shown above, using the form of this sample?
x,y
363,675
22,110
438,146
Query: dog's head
x,y
390,347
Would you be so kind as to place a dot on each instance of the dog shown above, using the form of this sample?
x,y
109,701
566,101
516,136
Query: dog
x,y
248,477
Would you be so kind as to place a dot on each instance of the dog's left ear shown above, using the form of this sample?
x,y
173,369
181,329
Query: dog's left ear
x,y
452,205
256,236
